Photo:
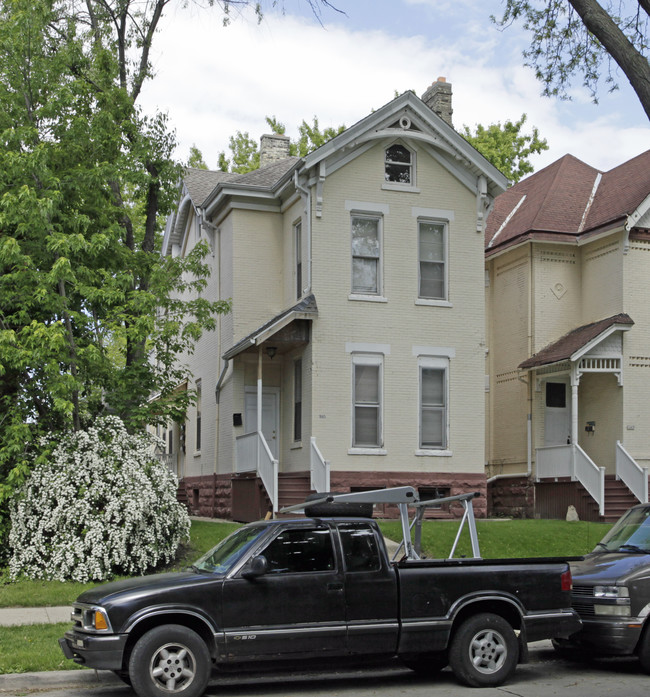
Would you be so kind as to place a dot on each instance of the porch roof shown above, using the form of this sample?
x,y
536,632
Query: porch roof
x,y
577,341
305,309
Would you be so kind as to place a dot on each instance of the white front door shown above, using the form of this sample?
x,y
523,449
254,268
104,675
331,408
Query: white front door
x,y
270,415
557,415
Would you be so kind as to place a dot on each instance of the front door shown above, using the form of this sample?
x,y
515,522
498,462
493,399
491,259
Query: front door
x,y
296,609
557,415
270,416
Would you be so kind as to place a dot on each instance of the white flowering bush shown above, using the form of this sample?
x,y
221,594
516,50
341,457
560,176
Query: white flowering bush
x,y
102,505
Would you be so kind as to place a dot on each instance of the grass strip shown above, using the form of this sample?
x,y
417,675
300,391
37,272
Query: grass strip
x,y
33,648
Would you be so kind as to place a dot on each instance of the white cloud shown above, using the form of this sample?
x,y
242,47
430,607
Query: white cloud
x,y
214,81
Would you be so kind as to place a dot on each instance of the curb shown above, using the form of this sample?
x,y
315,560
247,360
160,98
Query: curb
x,y
57,679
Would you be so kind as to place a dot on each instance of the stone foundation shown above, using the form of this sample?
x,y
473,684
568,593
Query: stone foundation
x,y
208,496
511,497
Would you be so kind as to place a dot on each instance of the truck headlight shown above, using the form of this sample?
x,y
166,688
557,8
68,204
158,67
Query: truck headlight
x,y
615,601
611,592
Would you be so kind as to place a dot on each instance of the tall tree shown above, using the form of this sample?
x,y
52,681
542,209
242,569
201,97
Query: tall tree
x,y
584,37
506,147
92,318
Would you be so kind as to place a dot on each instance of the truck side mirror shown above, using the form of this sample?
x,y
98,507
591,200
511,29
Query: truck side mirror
x,y
256,567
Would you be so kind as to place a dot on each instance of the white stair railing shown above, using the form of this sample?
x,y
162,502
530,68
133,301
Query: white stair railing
x,y
631,474
554,461
591,477
319,468
254,455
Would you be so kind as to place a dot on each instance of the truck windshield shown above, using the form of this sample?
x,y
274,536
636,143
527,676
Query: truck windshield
x,y
631,533
228,552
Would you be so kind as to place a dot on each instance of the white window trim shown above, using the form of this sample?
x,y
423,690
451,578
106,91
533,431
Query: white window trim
x,y
435,302
380,260
374,359
401,186
440,360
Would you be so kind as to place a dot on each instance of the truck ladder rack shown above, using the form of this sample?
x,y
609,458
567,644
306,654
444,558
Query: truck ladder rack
x,y
403,497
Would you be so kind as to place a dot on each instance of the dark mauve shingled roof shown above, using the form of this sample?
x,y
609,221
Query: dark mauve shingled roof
x,y
562,200
564,348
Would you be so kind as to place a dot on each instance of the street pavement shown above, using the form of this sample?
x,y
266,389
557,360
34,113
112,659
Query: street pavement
x,y
544,676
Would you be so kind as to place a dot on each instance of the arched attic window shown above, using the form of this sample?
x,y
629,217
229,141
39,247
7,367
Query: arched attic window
x,y
399,164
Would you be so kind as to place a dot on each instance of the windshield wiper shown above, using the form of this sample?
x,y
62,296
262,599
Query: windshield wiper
x,y
635,548
603,545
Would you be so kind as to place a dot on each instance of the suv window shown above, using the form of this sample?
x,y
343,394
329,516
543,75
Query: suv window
x,y
300,551
359,547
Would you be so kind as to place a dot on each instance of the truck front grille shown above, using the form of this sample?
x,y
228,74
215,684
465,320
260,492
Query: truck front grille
x,y
582,600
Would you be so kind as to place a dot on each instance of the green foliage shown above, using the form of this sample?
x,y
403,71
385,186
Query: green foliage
x,y
585,38
506,147
33,648
245,154
196,158
90,316
102,504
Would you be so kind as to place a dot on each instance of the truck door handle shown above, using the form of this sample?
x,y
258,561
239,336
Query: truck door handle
x,y
335,587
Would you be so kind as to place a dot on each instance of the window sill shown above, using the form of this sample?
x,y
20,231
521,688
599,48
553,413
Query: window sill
x,y
295,445
368,298
400,187
433,303
196,453
433,453
367,451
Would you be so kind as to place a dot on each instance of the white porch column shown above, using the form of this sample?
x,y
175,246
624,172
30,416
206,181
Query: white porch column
x,y
575,381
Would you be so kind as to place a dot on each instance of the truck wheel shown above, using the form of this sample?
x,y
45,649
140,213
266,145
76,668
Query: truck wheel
x,y
484,651
427,663
170,660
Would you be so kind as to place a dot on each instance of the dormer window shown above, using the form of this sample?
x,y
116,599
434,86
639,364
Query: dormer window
x,y
399,165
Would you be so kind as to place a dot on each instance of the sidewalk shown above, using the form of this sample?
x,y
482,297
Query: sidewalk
x,y
13,616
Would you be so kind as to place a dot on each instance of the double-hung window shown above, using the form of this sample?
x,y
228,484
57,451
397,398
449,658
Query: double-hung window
x,y
198,416
433,403
366,255
432,257
367,401
297,400
297,235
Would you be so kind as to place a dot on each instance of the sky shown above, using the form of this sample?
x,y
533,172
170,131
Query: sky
x,y
214,81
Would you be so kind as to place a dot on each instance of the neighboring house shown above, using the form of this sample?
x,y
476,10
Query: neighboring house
x,y
356,336
568,307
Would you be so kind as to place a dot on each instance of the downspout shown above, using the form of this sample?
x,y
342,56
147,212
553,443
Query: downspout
x,y
307,193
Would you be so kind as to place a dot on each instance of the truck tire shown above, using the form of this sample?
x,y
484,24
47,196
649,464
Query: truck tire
x,y
426,663
336,509
170,660
484,651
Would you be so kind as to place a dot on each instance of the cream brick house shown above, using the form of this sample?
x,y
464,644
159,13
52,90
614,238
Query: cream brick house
x,y
356,336
568,302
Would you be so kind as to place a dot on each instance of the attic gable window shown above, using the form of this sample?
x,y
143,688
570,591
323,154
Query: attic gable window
x,y
399,165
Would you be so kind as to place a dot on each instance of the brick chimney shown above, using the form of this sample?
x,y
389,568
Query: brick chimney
x,y
273,147
438,98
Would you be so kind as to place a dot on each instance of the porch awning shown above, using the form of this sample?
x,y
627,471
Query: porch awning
x,y
306,309
577,342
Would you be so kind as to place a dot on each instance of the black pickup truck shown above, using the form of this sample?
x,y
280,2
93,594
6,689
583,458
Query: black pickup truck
x,y
323,587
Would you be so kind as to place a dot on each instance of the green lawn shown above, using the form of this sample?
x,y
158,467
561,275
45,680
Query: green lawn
x,y
508,538
33,648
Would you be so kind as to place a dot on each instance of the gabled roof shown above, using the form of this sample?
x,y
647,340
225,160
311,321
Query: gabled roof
x,y
567,200
570,344
199,183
